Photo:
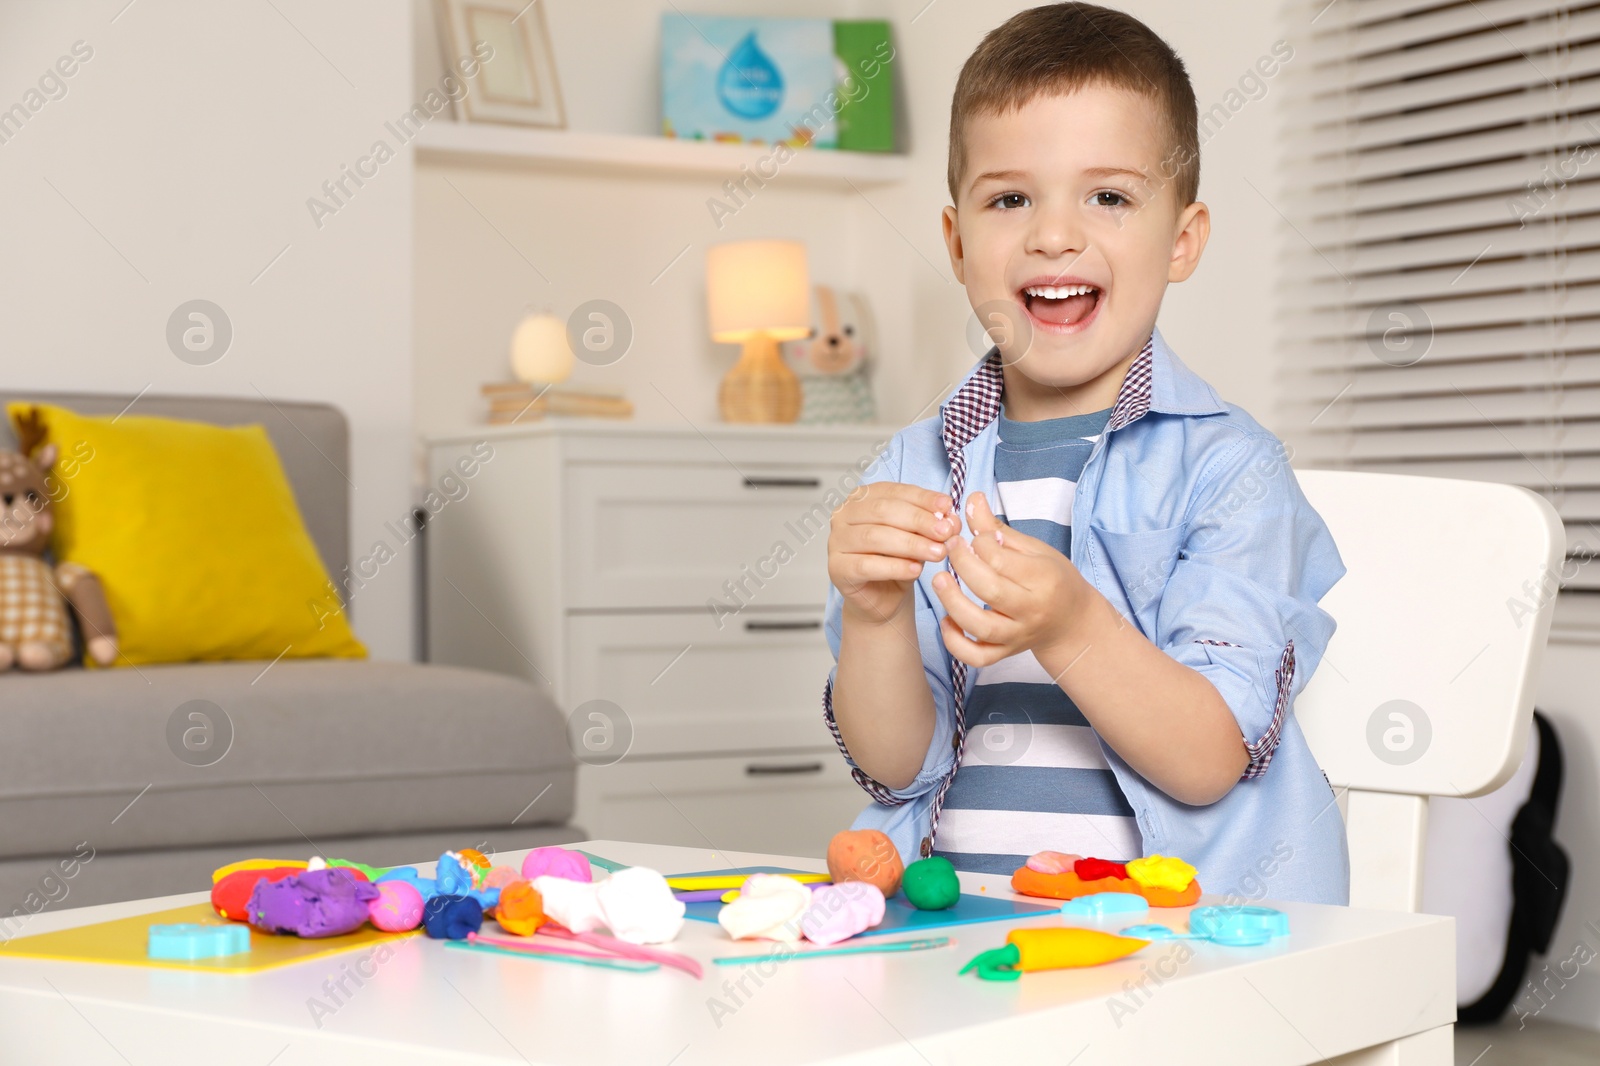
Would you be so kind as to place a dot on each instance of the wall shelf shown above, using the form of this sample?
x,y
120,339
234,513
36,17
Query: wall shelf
x,y
569,150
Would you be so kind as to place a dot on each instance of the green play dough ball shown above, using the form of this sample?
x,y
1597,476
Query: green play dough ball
x,y
931,884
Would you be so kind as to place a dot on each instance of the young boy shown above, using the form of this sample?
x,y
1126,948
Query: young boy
x,y
1104,665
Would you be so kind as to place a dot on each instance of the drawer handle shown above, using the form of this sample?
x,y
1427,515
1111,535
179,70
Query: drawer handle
x,y
783,482
756,769
753,626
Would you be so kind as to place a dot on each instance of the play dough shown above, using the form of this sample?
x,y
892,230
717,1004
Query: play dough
x,y
638,907
1052,862
570,903
398,907
313,903
520,910
865,855
256,864
1033,949
1071,886
769,907
556,862
931,884
1097,869
230,895
454,875
838,912
1161,871
452,917
477,860
501,876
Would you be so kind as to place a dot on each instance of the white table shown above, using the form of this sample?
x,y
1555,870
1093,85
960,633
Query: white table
x,y
1345,980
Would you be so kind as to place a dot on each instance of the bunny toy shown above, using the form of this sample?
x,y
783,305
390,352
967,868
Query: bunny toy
x,y
35,632
832,364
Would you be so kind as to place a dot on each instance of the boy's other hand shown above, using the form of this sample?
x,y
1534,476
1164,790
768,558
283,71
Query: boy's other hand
x,y
1034,592
878,541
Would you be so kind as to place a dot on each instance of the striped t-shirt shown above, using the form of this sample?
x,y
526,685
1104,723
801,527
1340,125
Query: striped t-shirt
x,y
1032,775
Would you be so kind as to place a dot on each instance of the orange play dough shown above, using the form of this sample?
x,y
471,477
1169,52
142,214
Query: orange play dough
x,y
1069,885
865,855
520,910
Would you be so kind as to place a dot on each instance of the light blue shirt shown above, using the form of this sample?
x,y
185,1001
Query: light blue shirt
x,y
1189,520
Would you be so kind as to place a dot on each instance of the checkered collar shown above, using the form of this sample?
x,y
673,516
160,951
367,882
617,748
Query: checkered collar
x,y
1156,381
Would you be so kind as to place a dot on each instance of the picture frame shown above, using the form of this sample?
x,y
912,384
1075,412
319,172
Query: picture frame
x,y
517,84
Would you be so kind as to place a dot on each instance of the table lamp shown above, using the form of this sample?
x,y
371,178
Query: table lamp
x,y
540,352
759,294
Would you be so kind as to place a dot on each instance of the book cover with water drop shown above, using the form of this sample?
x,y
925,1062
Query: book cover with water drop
x,y
760,80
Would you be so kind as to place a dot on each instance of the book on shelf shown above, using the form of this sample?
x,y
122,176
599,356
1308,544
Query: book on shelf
x,y
511,402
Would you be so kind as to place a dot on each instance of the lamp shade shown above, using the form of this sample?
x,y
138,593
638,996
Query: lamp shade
x,y
540,350
758,287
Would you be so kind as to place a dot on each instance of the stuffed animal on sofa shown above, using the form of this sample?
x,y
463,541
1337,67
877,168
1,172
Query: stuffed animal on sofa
x,y
832,362
35,633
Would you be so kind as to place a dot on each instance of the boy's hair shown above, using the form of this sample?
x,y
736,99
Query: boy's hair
x,y
1060,48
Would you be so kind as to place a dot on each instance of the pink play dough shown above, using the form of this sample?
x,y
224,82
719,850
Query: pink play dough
x,y
842,910
556,862
398,907
500,877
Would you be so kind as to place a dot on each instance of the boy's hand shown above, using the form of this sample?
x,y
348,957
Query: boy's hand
x,y
878,541
1034,592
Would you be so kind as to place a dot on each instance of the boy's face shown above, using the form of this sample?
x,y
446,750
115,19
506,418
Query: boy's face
x,y
1070,193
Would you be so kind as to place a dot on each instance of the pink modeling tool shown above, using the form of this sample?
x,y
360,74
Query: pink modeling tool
x,y
535,948
627,950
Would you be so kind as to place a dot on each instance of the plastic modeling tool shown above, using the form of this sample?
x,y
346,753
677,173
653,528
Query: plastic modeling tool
x,y
1105,905
630,965
727,881
733,893
626,950
196,940
1234,927
607,865
922,944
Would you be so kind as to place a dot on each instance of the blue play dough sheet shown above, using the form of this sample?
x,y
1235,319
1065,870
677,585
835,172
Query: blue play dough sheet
x,y
899,916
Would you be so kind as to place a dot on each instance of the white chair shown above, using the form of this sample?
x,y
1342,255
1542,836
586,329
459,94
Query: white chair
x,y
1427,687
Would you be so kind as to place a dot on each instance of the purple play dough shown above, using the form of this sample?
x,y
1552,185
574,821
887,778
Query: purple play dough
x,y
317,903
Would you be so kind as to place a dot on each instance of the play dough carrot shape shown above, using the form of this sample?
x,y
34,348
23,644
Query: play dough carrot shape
x,y
1028,950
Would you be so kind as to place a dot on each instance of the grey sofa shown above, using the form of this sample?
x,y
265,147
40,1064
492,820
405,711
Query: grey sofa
x,y
383,762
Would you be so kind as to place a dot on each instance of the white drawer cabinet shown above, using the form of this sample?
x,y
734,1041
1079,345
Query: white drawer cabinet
x,y
678,574
789,805
690,685
662,535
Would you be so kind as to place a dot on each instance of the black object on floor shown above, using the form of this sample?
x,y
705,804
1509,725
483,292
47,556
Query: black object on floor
x,y
1540,872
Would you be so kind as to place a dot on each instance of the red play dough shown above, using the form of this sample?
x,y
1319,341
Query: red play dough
x,y
1095,869
231,895
865,855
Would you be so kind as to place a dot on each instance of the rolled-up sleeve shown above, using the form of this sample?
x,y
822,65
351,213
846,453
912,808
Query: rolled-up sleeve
x,y
1240,606
935,667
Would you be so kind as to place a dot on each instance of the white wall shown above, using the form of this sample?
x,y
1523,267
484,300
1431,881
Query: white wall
x,y
478,229
177,166
1219,321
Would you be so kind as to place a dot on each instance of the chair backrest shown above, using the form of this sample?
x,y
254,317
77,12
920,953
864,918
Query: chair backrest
x,y
312,441
1427,686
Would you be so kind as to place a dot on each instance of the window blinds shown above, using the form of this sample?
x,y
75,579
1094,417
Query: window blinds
x,y
1442,283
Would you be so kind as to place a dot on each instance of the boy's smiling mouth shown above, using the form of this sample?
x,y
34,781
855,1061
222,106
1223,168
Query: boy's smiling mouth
x,y
1060,304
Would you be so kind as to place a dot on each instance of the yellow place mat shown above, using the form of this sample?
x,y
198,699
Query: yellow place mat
x,y
125,942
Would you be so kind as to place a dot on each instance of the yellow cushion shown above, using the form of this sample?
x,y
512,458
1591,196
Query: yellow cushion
x,y
193,531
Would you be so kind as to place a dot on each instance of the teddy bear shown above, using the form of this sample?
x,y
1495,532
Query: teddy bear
x,y
35,633
832,363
